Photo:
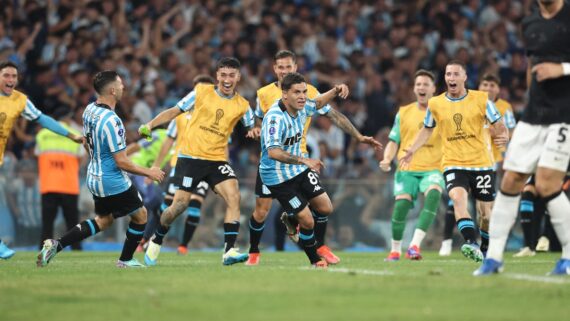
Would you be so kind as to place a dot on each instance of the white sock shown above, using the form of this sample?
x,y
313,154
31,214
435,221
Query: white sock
x,y
559,209
502,220
396,246
418,238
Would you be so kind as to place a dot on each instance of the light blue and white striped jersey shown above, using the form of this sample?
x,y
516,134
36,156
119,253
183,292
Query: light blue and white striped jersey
x,y
105,135
281,130
30,111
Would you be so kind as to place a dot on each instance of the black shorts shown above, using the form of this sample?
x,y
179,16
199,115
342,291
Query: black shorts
x,y
120,204
481,184
193,172
295,193
174,182
261,190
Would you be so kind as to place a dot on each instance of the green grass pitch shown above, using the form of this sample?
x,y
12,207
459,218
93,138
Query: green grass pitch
x,y
88,286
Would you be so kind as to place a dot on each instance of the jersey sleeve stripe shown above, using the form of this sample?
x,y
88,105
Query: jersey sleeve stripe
x,y
172,130
429,122
258,112
30,111
187,103
492,113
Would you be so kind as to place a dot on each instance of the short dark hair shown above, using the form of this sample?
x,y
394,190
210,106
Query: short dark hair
x,y
102,79
285,54
203,79
291,79
5,64
427,73
457,62
228,62
491,78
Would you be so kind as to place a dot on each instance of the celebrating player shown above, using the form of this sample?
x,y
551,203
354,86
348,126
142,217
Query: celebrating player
x,y
467,161
203,157
423,173
284,62
14,103
114,194
292,178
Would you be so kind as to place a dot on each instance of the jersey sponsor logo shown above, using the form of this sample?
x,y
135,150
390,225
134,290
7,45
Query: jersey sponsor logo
x,y
187,181
295,202
120,132
272,130
292,140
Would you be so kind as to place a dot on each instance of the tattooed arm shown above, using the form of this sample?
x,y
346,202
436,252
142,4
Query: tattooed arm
x,y
280,155
342,122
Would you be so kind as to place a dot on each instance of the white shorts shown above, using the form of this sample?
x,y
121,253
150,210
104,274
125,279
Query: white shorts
x,y
535,146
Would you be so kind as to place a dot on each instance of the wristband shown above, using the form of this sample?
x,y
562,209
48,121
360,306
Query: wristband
x,y
566,68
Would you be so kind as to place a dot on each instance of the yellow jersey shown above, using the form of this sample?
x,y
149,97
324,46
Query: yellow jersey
x,y
11,107
214,117
179,122
506,111
461,124
268,95
408,123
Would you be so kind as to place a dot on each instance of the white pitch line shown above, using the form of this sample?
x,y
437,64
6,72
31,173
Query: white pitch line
x,y
536,278
352,271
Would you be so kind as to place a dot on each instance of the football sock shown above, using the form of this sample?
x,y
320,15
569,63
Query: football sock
x,y
484,240
231,231
418,237
159,234
321,222
134,235
255,232
78,233
527,213
192,221
396,246
307,239
449,222
427,215
502,220
401,209
558,207
467,229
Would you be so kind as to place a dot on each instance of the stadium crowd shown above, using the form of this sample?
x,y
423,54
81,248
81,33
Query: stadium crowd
x,y
159,46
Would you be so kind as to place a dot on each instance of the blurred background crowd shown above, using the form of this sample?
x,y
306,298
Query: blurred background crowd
x,y
159,46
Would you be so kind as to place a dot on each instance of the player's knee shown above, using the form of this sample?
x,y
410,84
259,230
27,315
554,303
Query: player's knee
x,y
260,215
547,188
104,221
325,209
140,217
513,182
233,200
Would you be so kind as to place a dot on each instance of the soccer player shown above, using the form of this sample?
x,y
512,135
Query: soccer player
x,y
490,84
14,103
467,162
291,177
540,141
423,173
284,62
114,194
197,198
203,156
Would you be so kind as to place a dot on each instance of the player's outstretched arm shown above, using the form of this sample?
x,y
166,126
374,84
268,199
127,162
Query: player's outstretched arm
x,y
165,116
389,154
421,139
344,123
279,154
49,123
124,163
338,90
